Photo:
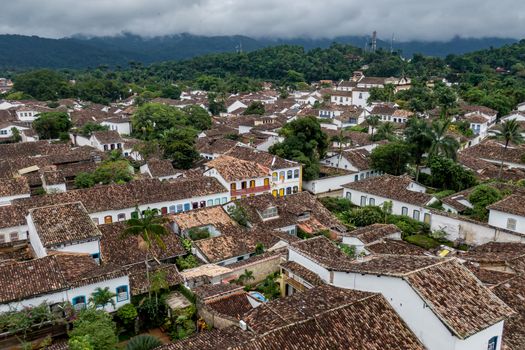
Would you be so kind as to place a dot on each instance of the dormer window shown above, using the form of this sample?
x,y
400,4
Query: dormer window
x,y
304,216
270,213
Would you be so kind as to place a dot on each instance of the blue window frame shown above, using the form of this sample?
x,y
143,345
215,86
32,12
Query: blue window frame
x,y
224,200
179,208
172,209
493,343
187,206
134,215
217,201
122,293
79,302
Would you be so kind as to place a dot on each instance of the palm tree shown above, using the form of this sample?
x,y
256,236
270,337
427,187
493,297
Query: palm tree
x,y
441,143
149,228
373,121
385,131
510,131
143,342
417,136
246,276
102,297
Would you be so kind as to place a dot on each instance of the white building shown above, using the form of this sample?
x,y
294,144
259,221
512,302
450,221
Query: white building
x,y
508,213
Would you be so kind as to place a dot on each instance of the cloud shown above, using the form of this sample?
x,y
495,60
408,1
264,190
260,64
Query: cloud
x,y
408,19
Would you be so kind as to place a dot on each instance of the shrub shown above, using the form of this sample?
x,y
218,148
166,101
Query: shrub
x,y
153,312
187,262
337,204
481,197
196,233
363,216
348,249
127,315
239,215
423,241
143,342
98,326
408,226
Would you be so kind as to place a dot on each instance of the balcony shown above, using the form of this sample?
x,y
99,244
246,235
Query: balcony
x,y
249,190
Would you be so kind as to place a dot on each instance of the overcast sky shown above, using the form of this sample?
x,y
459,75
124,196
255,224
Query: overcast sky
x,y
409,19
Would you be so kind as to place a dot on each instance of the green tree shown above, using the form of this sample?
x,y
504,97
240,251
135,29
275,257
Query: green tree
x,y
43,84
80,343
385,131
441,143
102,297
363,216
127,315
215,104
84,180
446,98
238,214
391,158
246,277
108,172
87,129
170,91
49,125
198,117
417,135
149,227
255,108
481,197
143,342
16,135
98,327
305,142
448,175
373,121
509,132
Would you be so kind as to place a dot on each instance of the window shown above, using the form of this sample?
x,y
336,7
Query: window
x,y
134,215
96,257
289,174
356,178
79,302
173,209
95,220
105,147
269,213
363,201
122,293
404,211
288,190
179,208
202,204
217,201
209,203
275,176
164,210
426,218
224,200
281,192
511,224
274,193
266,182
296,173
233,186
349,196
13,236
3,132
493,343
195,205
415,215
112,146
108,219
2,238
252,183
121,217
281,175
372,201
187,206
295,189
243,184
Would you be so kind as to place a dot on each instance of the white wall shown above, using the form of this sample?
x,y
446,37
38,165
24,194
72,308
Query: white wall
x,y
414,311
87,290
6,200
34,239
91,248
123,128
332,183
499,219
323,273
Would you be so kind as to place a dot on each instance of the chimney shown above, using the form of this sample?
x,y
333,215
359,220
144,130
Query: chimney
x,y
243,325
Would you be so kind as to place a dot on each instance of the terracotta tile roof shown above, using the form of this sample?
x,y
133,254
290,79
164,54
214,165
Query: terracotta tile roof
x,y
374,232
210,291
472,108
234,243
354,326
53,177
512,292
234,169
215,216
268,255
214,146
512,204
494,151
486,170
359,158
113,197
138,282
289,209
383,109
391,265
219,339
495,252
208,270
302,272
265,159
122,251
161,167
53,273
324,252
107,136
13,187
234,306
476,118
395,247
31,149
459,299
489,277
62,223
391,187
11,216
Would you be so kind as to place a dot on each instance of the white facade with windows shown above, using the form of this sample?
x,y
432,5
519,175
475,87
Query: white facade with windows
x,y
507,221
